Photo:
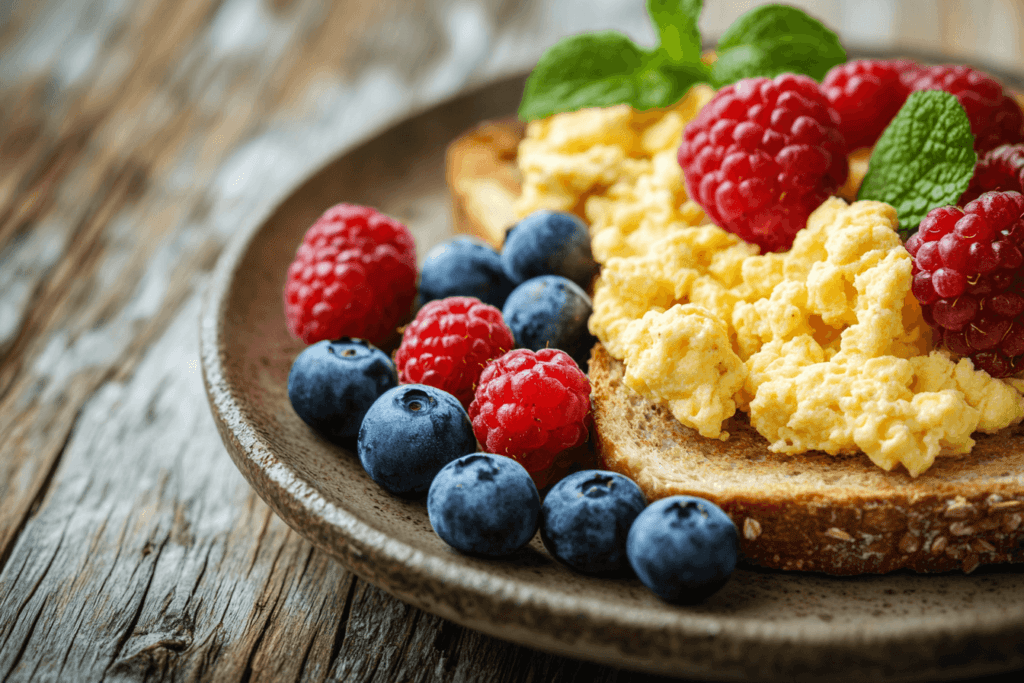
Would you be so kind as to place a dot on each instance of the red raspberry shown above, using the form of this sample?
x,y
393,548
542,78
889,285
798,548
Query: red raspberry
x,y
867,94
762,155
354,275
998,170
910,71
969,281
531,406
450,342
995,117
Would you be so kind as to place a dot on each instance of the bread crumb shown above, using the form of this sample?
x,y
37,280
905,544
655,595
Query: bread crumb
x,y
938,545
909,543
987,524
958,508
961,529
751,529
835,532
980,545
1011,522
970,563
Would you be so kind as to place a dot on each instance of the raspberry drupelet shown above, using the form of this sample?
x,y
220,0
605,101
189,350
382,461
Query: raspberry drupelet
x,y
762,155
998,170
450,342
531,406
995,117
867,94
354,275
969,280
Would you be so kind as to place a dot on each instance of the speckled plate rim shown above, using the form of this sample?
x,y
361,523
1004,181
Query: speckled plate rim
x,y
397,567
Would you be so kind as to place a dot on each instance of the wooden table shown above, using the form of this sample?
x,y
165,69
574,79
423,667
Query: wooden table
x,y
135,139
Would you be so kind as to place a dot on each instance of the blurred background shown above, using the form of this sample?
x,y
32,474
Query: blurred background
x,y
247,95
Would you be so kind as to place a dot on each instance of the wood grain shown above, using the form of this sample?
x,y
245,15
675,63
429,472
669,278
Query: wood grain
x,y
135,139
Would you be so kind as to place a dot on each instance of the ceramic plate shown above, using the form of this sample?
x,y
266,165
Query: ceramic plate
x,y
762,625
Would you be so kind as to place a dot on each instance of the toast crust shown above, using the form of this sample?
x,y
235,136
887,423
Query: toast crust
x,y
814,511
480,168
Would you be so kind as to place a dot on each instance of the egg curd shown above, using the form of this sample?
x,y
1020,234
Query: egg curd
x,y
823,346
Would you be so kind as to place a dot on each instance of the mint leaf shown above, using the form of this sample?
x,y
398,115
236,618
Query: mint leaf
x,y
924,159
775,39
676,23
603,69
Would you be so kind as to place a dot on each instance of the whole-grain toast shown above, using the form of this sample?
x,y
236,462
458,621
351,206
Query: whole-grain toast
x,y
483,179
814,512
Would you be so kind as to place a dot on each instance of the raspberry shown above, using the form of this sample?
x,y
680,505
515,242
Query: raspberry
x,y
866,94
969,281
531,406
762,155
353,275
998,170
448,344
995,117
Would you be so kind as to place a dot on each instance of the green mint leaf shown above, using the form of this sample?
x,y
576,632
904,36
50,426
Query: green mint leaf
x,y
676,23
603,69
924,159
775,39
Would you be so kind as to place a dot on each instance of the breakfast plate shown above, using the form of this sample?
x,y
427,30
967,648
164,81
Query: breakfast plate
x,y
763,625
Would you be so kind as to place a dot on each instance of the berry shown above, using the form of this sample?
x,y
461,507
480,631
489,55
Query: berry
x,y
867,94
333,383
549,243
909,71
683,548
484,504
969,281
551,312
409,434
448,344
531,406
354,274
586,517
464,266
998,170
995,117
762,155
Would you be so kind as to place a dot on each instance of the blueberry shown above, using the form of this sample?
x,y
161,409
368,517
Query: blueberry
x,y
484,504
409,434
464,267
683,548
333,383
585,520
549,243
551,311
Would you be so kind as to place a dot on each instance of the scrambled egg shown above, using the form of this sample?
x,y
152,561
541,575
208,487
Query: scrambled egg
x,y
824,346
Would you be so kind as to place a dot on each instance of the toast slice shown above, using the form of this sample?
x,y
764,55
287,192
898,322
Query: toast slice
x,y
483,179
814,512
